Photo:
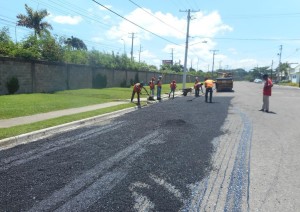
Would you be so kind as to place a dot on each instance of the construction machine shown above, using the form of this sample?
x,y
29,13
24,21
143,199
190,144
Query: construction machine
x,y
224,82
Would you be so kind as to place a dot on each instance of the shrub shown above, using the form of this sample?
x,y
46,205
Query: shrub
x,y
123,84
12,85
100,81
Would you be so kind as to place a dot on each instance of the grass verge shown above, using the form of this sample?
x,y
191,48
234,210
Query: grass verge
x,y
26,128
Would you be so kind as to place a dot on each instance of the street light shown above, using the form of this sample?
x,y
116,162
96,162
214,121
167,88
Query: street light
x,y
124,46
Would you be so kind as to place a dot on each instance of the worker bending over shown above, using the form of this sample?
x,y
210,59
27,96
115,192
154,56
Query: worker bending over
x,y
137,88
197,87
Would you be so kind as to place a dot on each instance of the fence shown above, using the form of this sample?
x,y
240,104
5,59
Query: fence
x,y
46,77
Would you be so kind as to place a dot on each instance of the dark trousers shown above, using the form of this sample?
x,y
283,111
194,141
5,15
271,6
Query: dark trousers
x,y
138,96
208,90
172,91
197,92
158,93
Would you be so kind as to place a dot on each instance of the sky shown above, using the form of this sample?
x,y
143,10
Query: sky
x,y
222,34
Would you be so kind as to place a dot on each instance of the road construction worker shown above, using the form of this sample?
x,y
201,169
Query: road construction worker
x,y
152,88
158,86
197,87
209,84
137,88
173,88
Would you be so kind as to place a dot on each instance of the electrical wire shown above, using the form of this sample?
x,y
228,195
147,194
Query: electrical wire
x,y
155,16
135,24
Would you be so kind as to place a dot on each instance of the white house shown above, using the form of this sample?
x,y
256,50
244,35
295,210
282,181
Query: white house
x,y
294,74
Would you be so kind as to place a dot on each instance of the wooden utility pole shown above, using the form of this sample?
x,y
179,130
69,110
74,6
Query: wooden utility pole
x,y
131,52
186,46
140,53
279,66
213,63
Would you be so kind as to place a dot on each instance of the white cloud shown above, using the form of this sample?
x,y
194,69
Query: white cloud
x,y
208,25
203,26
72,20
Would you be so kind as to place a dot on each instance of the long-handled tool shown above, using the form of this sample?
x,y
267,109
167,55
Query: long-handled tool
x,y
190,100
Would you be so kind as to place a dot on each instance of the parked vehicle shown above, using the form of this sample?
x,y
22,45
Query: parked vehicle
x,y
257,81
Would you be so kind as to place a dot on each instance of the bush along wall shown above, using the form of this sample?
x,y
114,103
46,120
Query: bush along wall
x,y
12,85
100,81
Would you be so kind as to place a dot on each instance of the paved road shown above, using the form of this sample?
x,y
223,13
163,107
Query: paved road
x,y
177,155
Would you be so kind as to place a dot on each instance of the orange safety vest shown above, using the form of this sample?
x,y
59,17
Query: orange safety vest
x,y
158,83
152,85
209,83
173,85
197,85
137,88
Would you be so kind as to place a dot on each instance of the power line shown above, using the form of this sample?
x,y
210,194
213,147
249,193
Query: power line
x,y
155,17
250,16
248,39
135,23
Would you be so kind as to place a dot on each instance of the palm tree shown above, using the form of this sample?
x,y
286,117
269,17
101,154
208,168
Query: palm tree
x,y
33,20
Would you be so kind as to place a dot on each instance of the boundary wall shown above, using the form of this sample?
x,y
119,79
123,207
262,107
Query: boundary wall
x,y
47,77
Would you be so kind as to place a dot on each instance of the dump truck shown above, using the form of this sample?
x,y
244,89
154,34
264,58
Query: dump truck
x,y
224,82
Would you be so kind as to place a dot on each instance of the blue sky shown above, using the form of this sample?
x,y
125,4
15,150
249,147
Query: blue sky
x,y
246,34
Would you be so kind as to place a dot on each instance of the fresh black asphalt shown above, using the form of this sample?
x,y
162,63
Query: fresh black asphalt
x,y
147,158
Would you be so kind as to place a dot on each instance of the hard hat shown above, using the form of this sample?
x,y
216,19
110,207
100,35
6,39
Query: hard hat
x,y
142,83
196,78
159,77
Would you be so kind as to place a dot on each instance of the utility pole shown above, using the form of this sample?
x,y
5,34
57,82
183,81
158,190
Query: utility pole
x,y
132,37
279,66
272,70
213,64
186,47
172,56
140,53
124,46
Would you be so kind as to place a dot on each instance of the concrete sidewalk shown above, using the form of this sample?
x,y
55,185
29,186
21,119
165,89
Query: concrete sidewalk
x,y
6,123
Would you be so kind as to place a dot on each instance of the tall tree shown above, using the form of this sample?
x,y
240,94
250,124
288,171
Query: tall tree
x,y
33,20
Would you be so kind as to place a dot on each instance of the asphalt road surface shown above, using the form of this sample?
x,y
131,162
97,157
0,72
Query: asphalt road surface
x,y
178,155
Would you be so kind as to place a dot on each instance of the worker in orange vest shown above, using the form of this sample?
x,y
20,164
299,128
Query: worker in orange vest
x,y
158,86
173,88
137,88
209,84
197,87
152,88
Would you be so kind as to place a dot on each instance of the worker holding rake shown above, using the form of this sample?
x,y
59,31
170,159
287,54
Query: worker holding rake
x,y
137,88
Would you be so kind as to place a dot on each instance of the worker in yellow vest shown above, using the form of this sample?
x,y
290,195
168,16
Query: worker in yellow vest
x,y
209,84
